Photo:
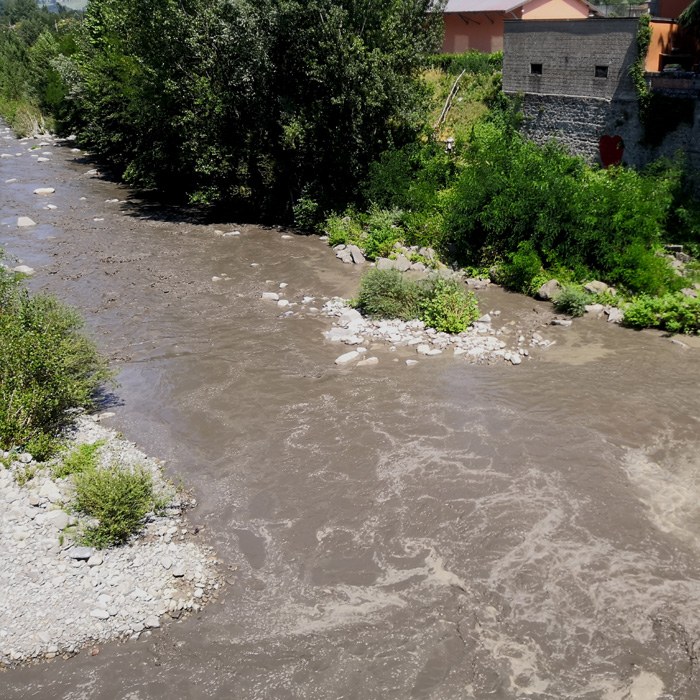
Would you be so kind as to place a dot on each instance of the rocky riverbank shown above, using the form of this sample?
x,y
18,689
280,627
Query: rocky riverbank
x,y
59,597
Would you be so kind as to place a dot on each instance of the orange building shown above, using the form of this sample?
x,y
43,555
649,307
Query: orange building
x,y
477,25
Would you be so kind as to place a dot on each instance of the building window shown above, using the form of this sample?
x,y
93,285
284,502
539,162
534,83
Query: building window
x,y
601,71
535,69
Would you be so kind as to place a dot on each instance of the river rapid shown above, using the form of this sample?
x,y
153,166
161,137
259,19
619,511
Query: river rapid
x,y
447,530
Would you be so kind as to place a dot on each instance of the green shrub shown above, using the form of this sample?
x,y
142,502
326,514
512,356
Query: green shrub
x,y
522,268
48,367
388,294
343,230
676,313
449,308
382,233
80,459
118,498
572,301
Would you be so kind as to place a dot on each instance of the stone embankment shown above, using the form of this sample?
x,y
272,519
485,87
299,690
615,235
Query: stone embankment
x,y
58,596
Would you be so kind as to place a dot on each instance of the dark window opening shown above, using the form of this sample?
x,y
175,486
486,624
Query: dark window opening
x,y
601,71
535,69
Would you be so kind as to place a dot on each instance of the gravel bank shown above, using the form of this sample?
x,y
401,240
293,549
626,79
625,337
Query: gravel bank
x,y
59,597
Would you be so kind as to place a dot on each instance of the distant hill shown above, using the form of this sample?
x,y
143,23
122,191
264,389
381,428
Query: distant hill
x,y
70,4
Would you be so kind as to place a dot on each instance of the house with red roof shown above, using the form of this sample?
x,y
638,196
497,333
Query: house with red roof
x,y
477,25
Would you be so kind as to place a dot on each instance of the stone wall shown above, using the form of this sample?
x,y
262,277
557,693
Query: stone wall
x,y
568,52
567,103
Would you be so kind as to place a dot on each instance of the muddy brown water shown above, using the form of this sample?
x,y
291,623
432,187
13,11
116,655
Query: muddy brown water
x,y
442,531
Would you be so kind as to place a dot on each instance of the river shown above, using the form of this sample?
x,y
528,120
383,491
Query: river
x,y
445,531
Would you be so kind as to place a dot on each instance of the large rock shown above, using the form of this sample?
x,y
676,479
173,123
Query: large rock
x,y
402,263
385,264
356,254
615,315
548,290
596,287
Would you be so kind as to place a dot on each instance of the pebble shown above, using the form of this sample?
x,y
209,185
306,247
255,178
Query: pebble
x,y
24,221
44,190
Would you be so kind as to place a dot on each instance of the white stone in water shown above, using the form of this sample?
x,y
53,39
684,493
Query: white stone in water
x,y
515,359
11,180
283,285
42,160
6,155
411,363
216,279
347,357
368,362
282,303
23,221
75,150
92,172
50,206
98,219
285,236
111,201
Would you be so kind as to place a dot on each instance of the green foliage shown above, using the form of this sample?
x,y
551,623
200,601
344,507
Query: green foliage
x,y
31,39
382,232
269,105
80,459
606,223
644,33
344,229
449,308
118,497
388,294
572,301
441,304
471,62
676,313
47,366
521,270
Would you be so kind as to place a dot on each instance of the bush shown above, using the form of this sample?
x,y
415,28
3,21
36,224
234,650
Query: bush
x,y
449,308
382,232
521,269
80,459
572,301
343,230
388,294
48,367
676,313
118,498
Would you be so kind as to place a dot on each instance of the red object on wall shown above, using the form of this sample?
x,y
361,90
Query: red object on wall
x,y
611,149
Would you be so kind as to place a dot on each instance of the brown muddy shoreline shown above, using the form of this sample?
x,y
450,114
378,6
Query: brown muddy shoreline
x,y
444,531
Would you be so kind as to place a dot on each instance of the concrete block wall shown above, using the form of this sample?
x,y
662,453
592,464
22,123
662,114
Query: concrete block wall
x,y
568,104
568,52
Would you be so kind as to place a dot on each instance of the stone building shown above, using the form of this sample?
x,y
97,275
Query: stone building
x,y
573,77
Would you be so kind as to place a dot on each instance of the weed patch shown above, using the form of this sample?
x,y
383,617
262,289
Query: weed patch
x,y
119,498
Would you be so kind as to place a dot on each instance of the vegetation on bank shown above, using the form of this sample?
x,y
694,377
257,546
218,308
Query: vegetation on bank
x,y
48,367
337,116
35,50
442,304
